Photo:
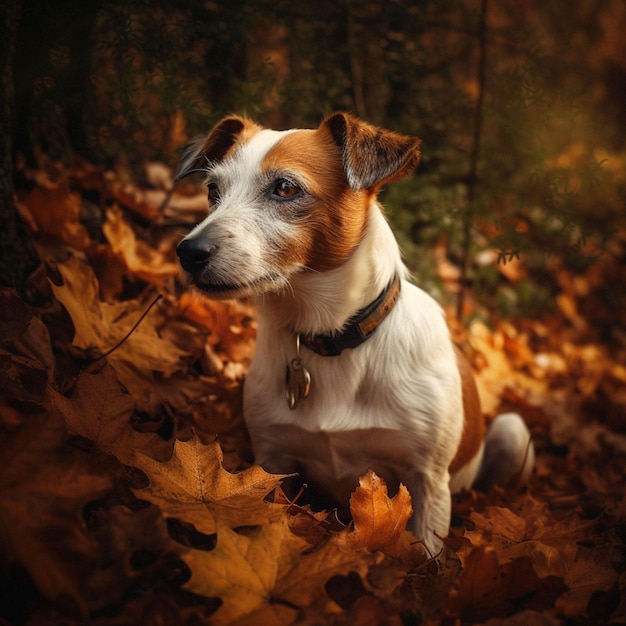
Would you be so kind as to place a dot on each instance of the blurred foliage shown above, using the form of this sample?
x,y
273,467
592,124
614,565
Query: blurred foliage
x,y
549,180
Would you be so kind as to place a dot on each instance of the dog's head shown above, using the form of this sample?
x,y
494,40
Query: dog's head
x,y
285,202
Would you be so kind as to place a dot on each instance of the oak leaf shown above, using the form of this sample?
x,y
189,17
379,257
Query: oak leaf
x,y
193,486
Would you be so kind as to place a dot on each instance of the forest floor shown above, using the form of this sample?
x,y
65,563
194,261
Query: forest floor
x,y
127,495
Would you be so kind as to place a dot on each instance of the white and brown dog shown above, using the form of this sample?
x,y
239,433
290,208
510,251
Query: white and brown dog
x,y
354,367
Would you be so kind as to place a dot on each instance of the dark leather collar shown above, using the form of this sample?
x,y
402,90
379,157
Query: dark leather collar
x,y
359,327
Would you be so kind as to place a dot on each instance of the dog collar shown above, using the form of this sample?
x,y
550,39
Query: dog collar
x,y
359,327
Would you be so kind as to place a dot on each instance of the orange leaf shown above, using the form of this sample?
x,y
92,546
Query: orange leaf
x,y
56,210
102,325
379,521
263,576
140,258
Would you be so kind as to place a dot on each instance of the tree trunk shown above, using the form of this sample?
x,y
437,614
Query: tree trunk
x,y
17,257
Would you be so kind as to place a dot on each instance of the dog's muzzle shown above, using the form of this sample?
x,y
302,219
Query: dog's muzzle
x,y
194,254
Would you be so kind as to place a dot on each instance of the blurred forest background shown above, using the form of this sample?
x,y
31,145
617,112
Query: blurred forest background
x,y
520,104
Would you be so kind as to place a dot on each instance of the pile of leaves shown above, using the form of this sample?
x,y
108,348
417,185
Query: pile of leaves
x,y
127,489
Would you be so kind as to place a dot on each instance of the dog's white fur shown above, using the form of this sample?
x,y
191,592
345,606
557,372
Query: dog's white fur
x,y
394,403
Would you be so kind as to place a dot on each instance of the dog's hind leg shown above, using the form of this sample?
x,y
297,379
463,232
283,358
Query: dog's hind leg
x,y
509,453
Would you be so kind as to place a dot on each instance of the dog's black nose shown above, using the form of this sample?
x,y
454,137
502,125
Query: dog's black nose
x,y
194,254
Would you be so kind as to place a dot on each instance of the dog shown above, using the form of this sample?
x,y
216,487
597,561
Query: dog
x,y
354,367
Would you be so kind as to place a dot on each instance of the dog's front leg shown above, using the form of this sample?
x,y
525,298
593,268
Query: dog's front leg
x,y
430,496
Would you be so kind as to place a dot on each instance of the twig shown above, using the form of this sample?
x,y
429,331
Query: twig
x,y
128,334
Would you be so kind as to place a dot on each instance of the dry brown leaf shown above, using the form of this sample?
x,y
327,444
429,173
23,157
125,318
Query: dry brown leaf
x,y
100,410
146,203
232,326
100,325
193,486
486,588
550,545
243,570
56,211
140,258
589,573
506,533
44,485
478,579
268,573
496,376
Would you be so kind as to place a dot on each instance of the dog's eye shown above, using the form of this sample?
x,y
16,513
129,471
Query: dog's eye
x,y
285,189
214,193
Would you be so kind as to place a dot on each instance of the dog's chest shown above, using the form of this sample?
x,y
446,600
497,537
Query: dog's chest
x,y
335,459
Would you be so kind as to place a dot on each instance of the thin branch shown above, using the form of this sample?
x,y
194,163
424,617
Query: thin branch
x,y
128,334
472,181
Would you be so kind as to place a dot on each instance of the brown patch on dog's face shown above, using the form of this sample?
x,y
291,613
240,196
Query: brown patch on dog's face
x,y
335,222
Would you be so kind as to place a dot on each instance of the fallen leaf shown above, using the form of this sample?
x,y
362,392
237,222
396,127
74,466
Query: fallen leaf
x,y
140,258
44,485
56,210
100,410
269,573
143,202
486,588
231,324
588,574
193,486
380,522
549,545
100,325
243,571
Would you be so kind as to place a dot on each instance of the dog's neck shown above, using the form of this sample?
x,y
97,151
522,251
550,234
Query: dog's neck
x,y
323,302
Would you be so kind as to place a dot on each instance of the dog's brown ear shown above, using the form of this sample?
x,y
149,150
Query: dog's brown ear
x,y
198,154
372,156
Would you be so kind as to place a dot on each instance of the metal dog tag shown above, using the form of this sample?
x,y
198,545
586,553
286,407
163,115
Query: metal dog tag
x,y
298,382
297,379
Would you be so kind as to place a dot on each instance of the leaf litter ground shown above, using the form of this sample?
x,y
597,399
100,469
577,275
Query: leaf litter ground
x,y
127,489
